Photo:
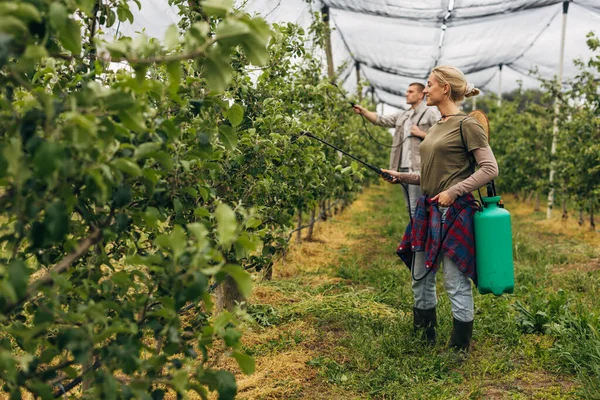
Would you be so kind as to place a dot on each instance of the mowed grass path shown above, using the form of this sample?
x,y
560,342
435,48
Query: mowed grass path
x,y
336,320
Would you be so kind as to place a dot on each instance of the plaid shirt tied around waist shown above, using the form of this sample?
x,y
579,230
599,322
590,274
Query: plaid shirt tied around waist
x,y
456,237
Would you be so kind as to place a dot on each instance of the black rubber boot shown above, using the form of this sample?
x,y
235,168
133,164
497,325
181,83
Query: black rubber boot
x,y
461,335
425,320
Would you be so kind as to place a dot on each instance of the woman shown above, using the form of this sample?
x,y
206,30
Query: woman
x,y
442,228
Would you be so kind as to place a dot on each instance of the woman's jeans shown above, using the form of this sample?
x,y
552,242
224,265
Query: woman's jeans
x,y
414,191
457,285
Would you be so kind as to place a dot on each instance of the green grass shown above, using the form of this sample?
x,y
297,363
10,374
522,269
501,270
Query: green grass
x,y
541,342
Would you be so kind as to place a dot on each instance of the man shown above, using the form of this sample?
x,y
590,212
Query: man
x,y
411,127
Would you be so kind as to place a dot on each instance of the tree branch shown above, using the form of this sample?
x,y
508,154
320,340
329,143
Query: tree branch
x,y
75,382
170,58
59,268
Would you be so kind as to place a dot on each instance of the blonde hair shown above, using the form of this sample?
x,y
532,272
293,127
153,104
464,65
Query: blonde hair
x,y
459,88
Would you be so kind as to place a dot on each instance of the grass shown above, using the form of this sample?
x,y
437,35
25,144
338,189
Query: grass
x,y
336,320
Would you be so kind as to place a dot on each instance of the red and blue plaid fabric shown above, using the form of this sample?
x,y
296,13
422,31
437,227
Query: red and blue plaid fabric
x,y
456,237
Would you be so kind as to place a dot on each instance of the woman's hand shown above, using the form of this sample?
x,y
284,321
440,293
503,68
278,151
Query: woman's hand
x,y
444,199
394,174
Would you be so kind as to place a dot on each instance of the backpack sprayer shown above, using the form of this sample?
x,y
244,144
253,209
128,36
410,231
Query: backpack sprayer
x,y
493,236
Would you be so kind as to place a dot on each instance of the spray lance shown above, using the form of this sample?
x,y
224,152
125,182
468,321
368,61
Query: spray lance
x,y
373,168
377,170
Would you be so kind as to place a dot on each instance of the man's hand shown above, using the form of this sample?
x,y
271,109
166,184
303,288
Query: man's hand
x,y
359,109
415,131
444,199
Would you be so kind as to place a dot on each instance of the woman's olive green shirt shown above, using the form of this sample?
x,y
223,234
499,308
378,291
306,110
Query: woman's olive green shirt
x,y
444,159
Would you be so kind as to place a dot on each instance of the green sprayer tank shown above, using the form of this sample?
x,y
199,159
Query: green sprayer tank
x,y
493,248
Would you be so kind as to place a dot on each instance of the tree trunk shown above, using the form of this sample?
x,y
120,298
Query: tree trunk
x,y
227,295
592,223
299,236
328,48
322,211
312,223
580,222
529,197
537,202
565,213
268,275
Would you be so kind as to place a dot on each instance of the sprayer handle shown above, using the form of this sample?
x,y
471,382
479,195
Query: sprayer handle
x,y
386,176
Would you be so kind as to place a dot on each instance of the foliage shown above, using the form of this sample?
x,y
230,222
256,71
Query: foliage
x,y
124,193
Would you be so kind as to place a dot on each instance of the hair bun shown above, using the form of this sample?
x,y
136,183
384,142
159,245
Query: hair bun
x,y
471,90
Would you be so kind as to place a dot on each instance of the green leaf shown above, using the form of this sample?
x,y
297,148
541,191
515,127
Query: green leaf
x,y
235,114
221,381
18,275
145,150
12,25
231,31
228,136
47,158
58,15
133,120
170,129
200,234
122,196
24,11
69,31
217,8
245,362
253,223
201,212
171,37
226,224
217,72
119,101
71,37
176,241
174,71
56,222
87,6
241,278
33,54
127,166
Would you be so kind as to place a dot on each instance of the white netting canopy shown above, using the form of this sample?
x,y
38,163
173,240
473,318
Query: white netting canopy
x,y
396,42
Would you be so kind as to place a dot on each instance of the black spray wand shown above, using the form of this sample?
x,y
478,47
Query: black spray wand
x,y
385,175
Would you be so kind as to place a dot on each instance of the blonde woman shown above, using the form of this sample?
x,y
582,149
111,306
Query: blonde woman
x,y
442,228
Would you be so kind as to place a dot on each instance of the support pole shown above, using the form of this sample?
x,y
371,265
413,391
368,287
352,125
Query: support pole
x,y
474,100
556,110
373,95
499,85
328,48
358,87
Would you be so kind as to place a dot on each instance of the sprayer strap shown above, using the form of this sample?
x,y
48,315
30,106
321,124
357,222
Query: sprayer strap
x,y
462,137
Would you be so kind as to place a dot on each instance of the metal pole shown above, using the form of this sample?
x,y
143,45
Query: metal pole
x,y
556,110
499,85
358,88
474,99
